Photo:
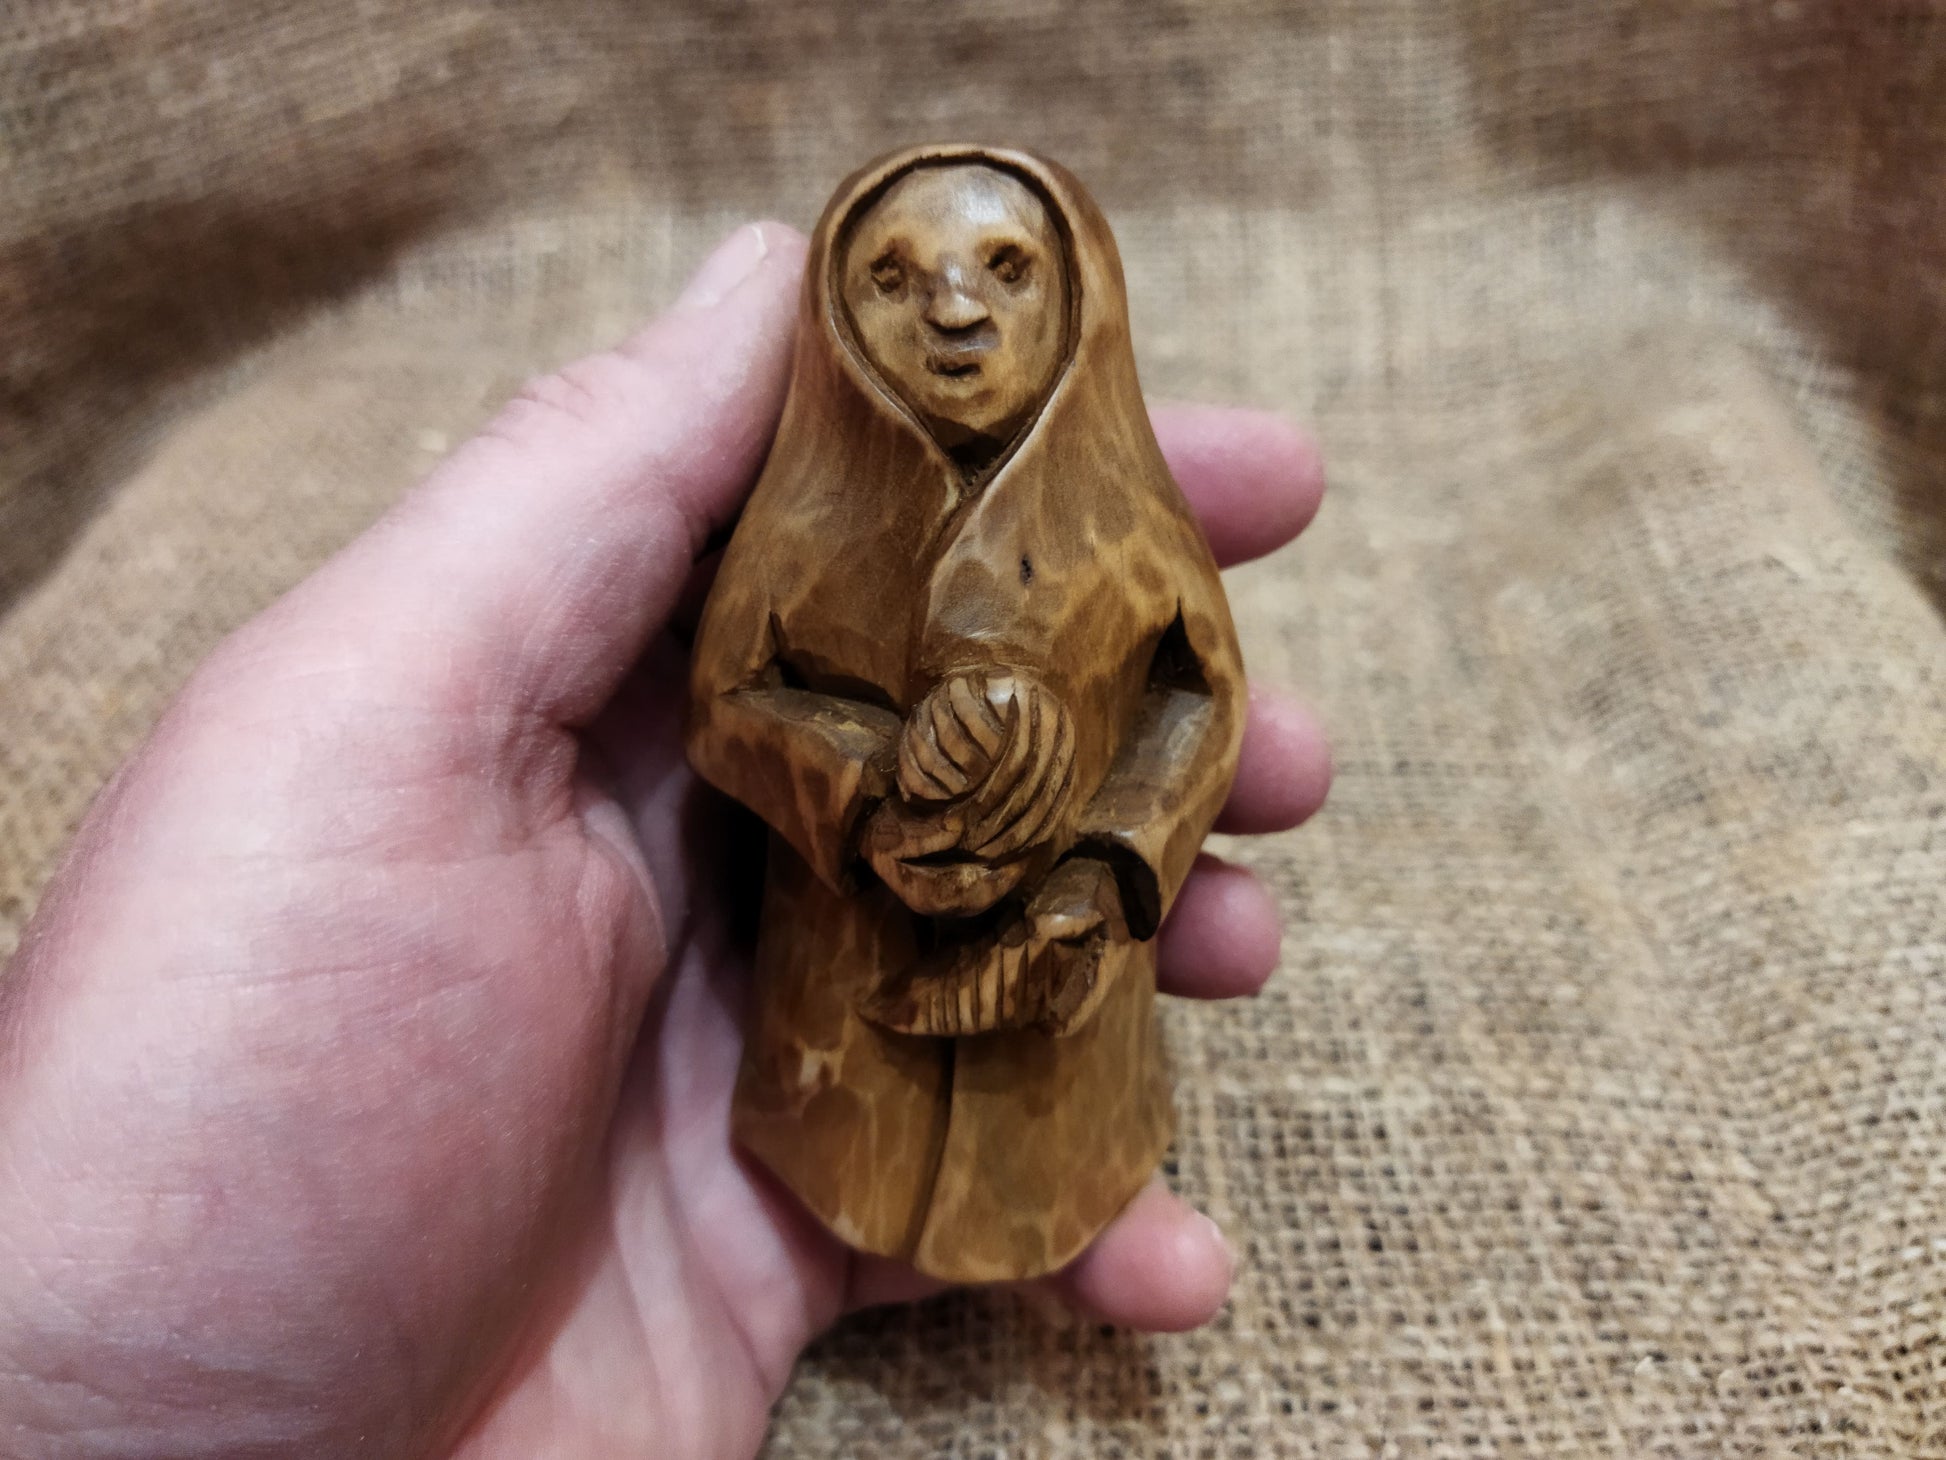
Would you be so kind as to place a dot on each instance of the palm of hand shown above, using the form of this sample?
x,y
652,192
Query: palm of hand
x,y
366,1072
690,1285
460,943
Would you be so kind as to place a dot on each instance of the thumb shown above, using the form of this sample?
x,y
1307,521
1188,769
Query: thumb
x,y
526,574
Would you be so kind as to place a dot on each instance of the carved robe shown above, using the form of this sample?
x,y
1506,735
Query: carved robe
x,y
867,566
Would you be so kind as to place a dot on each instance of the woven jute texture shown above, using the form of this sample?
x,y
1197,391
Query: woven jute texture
x,y
1599,1107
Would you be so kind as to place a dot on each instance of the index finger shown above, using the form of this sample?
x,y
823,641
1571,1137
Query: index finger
x,y
1252,477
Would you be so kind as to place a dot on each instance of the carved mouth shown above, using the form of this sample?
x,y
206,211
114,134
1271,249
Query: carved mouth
x,y
954,367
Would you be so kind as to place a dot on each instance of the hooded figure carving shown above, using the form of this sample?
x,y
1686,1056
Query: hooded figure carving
x,y
969,657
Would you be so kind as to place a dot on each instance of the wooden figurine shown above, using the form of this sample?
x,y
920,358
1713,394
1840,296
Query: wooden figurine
x,y
968,656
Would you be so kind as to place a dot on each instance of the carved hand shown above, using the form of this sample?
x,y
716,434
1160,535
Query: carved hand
x,y
1046,968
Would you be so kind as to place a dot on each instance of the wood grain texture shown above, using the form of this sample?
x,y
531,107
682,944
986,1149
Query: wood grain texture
x,y
969,657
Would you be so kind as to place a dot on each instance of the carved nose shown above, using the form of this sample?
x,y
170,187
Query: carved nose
x,y
954,312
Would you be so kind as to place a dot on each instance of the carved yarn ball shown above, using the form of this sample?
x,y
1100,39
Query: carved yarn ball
x,y
996,745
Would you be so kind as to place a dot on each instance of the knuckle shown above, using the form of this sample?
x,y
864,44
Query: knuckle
x,y
590,393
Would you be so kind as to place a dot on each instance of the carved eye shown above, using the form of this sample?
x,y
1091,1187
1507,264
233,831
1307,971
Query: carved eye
x,y
1008,263
888,273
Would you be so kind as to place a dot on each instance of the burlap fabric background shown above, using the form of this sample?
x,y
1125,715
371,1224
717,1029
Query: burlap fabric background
x,y
1598,1107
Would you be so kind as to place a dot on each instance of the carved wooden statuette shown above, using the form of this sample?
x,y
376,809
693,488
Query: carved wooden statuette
x,y
968,656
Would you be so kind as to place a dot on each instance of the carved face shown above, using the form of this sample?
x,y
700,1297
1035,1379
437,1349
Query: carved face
x,y
957,287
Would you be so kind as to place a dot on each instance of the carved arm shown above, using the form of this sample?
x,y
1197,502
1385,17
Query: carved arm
x,y
809,764
1169,780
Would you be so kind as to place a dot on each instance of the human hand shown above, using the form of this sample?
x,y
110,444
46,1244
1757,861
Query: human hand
x,y
365,1073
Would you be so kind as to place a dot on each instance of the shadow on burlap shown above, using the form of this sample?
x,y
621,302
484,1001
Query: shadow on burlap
x,y
1598,1106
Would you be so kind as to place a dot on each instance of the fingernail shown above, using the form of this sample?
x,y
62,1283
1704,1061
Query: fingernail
x,y
1216,1233
734,260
